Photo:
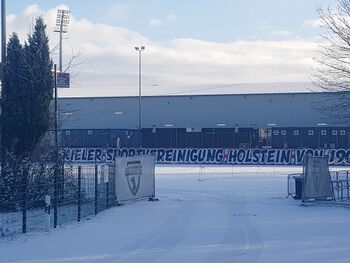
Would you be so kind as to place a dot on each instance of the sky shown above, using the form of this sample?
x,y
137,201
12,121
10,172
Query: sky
x,y
189,44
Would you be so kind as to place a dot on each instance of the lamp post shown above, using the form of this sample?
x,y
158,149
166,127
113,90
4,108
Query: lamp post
x,y
3,31
56,181
3,61
140,49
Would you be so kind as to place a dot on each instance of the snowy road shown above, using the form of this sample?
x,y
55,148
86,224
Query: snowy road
x,y
223,217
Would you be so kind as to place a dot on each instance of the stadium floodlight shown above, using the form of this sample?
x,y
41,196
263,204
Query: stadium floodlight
x,y
62,22
140,49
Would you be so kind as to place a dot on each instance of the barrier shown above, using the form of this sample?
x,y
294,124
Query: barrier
x,y
135,178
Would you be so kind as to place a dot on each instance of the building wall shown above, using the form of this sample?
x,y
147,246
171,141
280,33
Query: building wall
x,y
200,111
297,137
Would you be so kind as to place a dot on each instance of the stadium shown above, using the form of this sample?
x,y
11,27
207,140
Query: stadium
x,y
276,115
245,172
243,116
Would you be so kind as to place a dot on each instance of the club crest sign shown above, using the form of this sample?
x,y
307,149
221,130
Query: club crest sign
x,y
135,177
133,172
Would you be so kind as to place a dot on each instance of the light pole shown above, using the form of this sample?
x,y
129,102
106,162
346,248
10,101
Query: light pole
x,y
3,61
3,31
62,21
55,205
140,49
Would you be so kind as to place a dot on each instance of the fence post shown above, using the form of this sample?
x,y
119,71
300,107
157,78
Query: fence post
x,y
55,204
96,191
79,193
106,180
107,193
24,175
347,184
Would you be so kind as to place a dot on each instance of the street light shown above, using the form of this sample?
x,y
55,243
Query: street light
x,y
140,49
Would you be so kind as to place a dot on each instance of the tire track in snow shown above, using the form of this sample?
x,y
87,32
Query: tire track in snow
x,y
242,242
162,239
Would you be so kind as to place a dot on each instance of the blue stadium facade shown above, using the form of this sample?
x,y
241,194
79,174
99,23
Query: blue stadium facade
x,y
281,118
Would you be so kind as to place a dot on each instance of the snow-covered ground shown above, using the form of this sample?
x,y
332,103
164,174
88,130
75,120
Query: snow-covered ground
x,y
225,215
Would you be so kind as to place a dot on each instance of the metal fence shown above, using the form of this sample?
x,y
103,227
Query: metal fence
x,y
35,199
340,181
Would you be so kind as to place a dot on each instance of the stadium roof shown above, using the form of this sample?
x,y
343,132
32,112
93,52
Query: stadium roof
x,y
205,89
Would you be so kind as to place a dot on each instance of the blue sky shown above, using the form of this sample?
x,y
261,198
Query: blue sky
x,y
188,43
219,20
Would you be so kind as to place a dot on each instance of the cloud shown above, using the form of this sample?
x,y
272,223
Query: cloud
x,y
111,63
171,18
155,22
119,11
281,33
313,23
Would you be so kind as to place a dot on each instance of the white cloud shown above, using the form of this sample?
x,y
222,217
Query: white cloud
x,y
313,23
155,22
32,10
119,11
172,18
281,33
110,61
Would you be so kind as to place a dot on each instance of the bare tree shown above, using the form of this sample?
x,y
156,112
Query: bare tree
x,y
332,74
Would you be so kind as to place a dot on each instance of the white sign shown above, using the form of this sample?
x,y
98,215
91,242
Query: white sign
x,y
63,80
47,200
105,173
135,177
317,184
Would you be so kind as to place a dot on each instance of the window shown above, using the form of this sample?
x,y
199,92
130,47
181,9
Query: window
x,y
283,132
311,132
323,132
67,132
276,132
342,132
296,132
334,132
90,132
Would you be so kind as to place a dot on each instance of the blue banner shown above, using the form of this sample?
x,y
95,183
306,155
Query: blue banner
x,y
210,155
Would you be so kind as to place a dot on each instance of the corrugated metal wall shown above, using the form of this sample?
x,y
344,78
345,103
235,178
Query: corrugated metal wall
x,y
202,111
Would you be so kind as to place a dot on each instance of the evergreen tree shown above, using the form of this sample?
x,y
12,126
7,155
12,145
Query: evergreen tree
x,y
12,122
13,95
38,67
27,92
25,118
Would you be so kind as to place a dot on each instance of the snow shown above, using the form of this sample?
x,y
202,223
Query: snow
x,y
225,214
199,89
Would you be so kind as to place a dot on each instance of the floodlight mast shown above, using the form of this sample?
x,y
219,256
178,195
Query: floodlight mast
x,y
62,21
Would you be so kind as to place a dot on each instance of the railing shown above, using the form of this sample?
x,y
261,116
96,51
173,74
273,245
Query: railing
x,y
340,183
34,200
